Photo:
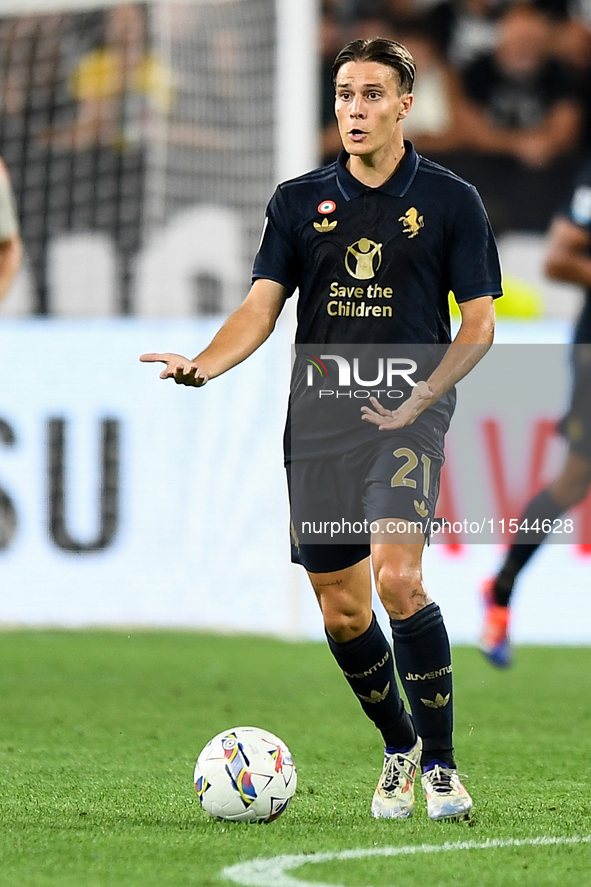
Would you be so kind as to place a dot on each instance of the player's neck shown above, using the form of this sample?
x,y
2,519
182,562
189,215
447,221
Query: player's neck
x,y
376,168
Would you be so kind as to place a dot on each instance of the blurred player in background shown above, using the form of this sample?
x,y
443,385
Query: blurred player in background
x,y
568,259
381,214
11,250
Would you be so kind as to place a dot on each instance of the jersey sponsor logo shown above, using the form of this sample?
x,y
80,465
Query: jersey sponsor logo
x,y
439,701
363,258
412,222
362,309
350,301
325,227
326,207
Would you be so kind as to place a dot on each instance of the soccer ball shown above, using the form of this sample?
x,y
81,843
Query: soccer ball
x,y
245,775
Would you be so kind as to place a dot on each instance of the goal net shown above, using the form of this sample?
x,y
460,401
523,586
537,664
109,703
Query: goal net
x,y
140,143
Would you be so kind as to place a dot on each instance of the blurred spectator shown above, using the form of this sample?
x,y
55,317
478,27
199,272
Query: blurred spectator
x,y
35,53
474,30
526,126
525,105
441,119
120,87
571,45
80,93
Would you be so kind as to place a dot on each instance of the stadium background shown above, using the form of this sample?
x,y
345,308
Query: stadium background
x,y
143,142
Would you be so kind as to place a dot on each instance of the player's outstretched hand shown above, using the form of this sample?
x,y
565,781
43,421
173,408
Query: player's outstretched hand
x,y
387,420
179,368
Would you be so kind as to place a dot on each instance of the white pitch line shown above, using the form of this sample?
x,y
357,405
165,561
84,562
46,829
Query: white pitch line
x,y
272,872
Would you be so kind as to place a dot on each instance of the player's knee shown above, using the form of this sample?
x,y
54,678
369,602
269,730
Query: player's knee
x,y
345,625
400,587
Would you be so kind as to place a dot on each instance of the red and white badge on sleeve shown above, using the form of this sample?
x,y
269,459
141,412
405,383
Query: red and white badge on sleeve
x,y
326,207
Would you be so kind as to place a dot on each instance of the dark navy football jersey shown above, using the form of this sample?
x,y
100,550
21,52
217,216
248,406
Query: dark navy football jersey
x,y
376,265
578,210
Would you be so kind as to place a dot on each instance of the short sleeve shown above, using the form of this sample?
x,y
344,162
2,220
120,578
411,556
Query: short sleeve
x,y
277,257
473,263
8,214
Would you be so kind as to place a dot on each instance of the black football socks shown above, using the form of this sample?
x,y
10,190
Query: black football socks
x,y
368,666
541,508
423,660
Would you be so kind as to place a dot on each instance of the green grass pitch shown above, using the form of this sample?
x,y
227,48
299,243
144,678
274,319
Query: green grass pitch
x,y
99,732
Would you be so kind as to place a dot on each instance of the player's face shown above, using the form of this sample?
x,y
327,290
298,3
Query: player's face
x,y
369,106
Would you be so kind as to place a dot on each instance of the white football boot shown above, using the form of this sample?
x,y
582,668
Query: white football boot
x,y
446,796
394,797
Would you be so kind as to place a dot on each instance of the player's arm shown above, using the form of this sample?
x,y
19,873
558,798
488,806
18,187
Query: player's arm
x,y
474,338
242,333
567,253
471,343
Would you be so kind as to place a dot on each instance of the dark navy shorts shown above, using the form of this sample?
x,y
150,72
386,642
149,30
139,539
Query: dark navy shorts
x,y
335,500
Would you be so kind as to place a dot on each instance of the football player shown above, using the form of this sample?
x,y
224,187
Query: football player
x,y
374,243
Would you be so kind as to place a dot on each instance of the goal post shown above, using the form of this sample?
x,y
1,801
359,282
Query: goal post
x,y
297,95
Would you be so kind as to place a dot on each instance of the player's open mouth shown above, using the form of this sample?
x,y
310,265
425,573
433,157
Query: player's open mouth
x,y
357,134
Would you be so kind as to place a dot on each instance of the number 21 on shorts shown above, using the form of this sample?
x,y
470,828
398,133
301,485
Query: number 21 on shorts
x,y
402,479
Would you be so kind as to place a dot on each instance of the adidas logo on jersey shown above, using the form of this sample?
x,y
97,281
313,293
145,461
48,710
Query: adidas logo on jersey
x,y
325,226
